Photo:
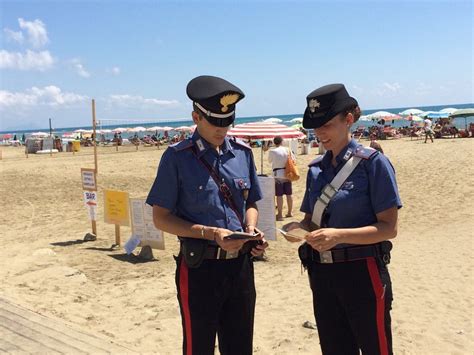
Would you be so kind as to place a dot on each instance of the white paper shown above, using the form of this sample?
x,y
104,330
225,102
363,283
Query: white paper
x,y
142,225
266,208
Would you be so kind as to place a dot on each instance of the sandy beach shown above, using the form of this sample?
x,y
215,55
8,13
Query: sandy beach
x,y
90,286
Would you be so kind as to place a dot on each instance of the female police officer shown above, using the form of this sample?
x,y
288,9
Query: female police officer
x,y
206,187
350,204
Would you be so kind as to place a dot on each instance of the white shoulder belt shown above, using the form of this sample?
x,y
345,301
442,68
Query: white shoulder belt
x,y
330,190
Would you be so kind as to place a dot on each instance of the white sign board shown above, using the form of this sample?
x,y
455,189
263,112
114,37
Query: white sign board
x,y
90,201
142,225
266,208
88,179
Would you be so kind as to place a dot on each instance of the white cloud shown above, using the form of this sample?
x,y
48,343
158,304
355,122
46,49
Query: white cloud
x,y
47,96
114,71
14,36
36,32
392,87
30,60
80,70
137,101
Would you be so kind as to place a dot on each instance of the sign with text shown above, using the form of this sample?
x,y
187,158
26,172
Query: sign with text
x,y
88,179
116,207
90,201
266,207
142,224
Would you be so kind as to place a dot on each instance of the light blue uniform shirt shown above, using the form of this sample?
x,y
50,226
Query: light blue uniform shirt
x,y
370,189
184,185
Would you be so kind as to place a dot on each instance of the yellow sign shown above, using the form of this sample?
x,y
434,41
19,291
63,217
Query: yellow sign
x,y
116,207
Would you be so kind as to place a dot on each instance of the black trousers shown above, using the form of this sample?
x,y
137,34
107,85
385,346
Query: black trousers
x,y
218,297
352,303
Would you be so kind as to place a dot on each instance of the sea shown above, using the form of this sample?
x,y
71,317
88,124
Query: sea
x,y
458,122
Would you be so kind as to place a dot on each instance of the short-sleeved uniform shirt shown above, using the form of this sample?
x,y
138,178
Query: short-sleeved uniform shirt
x,y
184,186
370,189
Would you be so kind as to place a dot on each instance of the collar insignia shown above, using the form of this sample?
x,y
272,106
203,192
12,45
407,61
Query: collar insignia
x,y
348,154
313,105
200,145
227,100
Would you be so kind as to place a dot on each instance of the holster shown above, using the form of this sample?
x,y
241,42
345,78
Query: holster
x,y
385,248
193,251
248,246
304,252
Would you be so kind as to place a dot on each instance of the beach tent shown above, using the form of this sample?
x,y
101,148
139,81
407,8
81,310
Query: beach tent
x,y
264,131
465,112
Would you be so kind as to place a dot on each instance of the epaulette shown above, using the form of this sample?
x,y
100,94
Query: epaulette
x,y
187,143
364,152
240,142
316,161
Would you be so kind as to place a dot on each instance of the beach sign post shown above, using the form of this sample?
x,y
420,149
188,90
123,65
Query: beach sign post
x,y
116,211
89,185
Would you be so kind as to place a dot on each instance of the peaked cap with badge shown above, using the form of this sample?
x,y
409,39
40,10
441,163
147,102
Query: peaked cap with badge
x,y
326,102
215,98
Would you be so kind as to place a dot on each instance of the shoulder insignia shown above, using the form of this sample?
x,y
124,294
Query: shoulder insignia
x,y
316,161
187,143
240,142
364,152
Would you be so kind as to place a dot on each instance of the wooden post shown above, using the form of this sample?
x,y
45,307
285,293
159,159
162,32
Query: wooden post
x,y
94,228
94,142
117,234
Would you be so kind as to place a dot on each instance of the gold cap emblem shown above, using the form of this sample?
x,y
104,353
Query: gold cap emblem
x,y
313,105
227,100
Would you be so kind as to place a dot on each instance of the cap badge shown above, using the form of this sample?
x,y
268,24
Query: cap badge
x,y
313,105
227,100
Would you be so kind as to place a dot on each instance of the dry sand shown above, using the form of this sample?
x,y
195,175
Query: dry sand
x,y
135,304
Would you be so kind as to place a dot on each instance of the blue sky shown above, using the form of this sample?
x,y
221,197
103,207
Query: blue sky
x,y
136,57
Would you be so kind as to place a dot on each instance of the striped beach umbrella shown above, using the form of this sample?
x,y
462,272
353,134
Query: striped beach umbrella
x,y
264,131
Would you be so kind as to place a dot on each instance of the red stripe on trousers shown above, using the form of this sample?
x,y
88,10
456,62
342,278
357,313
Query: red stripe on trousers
x,y
380,299
184,295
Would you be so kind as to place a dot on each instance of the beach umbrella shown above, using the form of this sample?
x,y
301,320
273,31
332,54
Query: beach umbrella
x,y
7,136
365,118
411,111
154,129
137,129
414,118
167,128
81,130
465,112
40,134
264,131
384,115
433,115
296,120
272,120
119,130
448,110
183,129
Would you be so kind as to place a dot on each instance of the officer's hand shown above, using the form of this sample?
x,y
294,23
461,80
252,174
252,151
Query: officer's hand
x,y
323,239
260,248
230,245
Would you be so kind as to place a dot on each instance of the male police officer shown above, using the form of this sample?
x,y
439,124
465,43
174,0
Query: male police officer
x,y
206,187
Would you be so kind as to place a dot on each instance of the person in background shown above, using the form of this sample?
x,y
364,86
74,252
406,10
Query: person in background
x,y
428,130
206,188
351,211
278,157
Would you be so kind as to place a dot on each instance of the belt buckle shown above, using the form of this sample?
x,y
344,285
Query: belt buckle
x,y
231,255
228,255
325,257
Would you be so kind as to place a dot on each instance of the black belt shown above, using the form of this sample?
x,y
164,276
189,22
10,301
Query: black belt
x,y
215,252
345,254
279,169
